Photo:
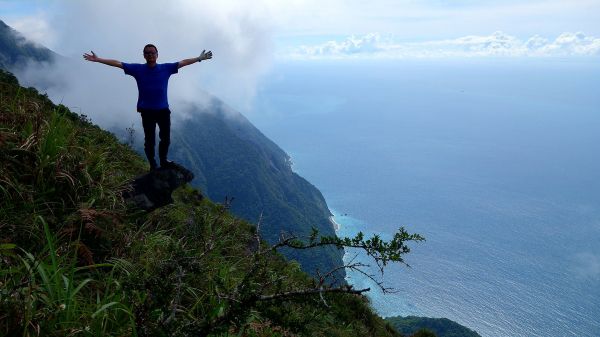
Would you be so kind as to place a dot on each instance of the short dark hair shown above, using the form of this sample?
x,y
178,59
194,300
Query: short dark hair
x,y
150,45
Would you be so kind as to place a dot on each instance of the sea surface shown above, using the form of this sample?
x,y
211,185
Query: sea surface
x,y
495,161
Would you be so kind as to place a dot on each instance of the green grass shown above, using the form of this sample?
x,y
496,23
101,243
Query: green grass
x,y
58,298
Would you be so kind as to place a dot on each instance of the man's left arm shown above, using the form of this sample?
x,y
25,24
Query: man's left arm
x,y
204,56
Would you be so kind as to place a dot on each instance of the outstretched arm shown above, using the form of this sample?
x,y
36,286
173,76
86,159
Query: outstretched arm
x,y
94,58
204,56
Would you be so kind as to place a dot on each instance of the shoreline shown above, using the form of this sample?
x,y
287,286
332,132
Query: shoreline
x,y
336,226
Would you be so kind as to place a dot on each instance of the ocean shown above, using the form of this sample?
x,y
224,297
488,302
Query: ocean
x,y
495,161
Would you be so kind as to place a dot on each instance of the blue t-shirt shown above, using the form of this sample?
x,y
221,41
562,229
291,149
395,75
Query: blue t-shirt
x,y
152,83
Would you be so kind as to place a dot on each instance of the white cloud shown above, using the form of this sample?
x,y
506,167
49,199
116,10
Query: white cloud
x,y
572,44
35,28
497,44
238,33
536,42
351,46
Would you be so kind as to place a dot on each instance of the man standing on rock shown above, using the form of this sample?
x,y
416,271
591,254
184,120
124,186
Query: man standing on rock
x,y
152,80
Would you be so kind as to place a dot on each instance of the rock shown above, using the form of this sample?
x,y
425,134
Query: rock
x,y
153,189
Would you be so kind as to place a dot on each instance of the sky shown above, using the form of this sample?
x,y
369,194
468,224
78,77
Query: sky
x,y
248,37
337,28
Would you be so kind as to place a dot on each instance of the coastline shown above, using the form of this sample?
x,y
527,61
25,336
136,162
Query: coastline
x,y
336,226
403,311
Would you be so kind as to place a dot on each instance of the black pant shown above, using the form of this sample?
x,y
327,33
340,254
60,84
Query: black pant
x,y
150,118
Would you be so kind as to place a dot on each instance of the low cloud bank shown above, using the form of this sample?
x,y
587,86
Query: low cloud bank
x,y
497,44
239,35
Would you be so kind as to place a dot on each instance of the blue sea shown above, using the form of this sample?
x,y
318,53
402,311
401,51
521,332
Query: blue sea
x,y
495,161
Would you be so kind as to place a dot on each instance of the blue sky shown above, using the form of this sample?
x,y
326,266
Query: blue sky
x,y
431,20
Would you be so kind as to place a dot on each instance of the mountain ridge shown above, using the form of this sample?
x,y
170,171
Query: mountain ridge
x,y
17,51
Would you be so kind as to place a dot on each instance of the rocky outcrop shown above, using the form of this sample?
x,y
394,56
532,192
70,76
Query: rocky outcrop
x,y
153,189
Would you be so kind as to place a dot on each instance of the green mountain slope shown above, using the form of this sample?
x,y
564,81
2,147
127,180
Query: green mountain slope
x,y
16,51
231,158
76,260
442,327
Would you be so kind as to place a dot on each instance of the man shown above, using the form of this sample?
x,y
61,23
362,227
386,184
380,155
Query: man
x,y
152,80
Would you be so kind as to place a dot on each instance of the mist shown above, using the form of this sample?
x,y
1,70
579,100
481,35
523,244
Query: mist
x,y
239,36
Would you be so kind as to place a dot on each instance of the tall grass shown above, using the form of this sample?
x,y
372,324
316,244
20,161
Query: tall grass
x,y
60,186
55,297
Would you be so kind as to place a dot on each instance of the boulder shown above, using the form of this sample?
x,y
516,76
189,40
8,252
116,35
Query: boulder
x,y
153,189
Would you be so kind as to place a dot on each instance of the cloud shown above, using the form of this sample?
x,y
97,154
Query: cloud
x,y
497,44
572,44
35,28
238,33
350,46
104,95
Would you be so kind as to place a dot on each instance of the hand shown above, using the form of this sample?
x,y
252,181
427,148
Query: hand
x,y
91,57
205,55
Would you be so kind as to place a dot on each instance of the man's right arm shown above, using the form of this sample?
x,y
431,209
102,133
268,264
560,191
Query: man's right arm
x,y
94,58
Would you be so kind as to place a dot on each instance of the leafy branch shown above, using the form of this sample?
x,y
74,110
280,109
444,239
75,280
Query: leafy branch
x,y
381,251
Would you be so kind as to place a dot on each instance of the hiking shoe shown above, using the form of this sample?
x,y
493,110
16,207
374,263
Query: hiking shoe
x,y
167,164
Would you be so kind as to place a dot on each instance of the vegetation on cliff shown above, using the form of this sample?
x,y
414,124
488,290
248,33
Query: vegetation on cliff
x,y
232,158
442,327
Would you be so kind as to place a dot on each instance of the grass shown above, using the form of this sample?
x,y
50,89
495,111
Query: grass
x,y
60,185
